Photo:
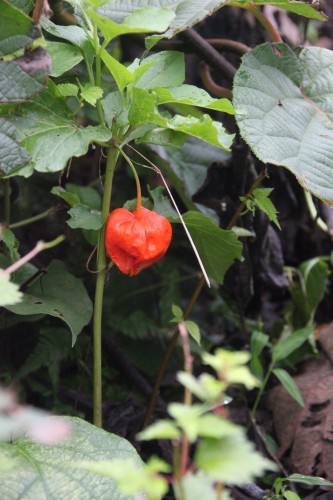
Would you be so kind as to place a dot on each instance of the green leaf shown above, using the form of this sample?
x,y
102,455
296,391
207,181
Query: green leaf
x,y
70,198
205,387
299,7
178,314
162,137
217,248
53,345
187,418
290,495
24,77
52,471
91,93
232,459
230,367
60,295
197,486
68,89
114,109
189,94
190,162
283,101
119,72
193,330
84,218
16,29
130,478
86,195
144,20
9,292
161,202
64,57
203,128
25,5
162,429
143,109
13,157
73,34
289,384
262,201
168,70
187,13
12,244
50,135
309,480
258,342
287,346
315,274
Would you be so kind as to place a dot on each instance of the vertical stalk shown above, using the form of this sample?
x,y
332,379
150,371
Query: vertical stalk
x,y
261,391
112,157
98,68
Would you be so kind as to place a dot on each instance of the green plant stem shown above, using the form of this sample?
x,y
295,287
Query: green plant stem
x,y
261,390
112,157
30,220
98,68
313,212
6,202
138,185
260,16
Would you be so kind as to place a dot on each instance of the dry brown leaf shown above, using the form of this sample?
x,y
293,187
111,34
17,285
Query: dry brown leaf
x,y
308,431
312,451
286,410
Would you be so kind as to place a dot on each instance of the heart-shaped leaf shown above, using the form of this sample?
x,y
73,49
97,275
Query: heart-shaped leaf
x,y
49,133
284,109
217,248
44,472
59,294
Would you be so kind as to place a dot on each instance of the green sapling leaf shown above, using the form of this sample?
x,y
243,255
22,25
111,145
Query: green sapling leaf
x,y
91,94
82,217
262,201
289,384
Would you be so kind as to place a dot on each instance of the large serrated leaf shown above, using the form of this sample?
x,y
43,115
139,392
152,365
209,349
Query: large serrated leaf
x,y
59,294
74,34
23,77
189,94
284,109
149,19
187,12
217,248
50,135
16,29
50,472
64,57
167,70
298,7
12,156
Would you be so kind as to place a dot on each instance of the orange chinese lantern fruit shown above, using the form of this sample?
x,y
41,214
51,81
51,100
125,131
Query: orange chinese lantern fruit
x,y
135,240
